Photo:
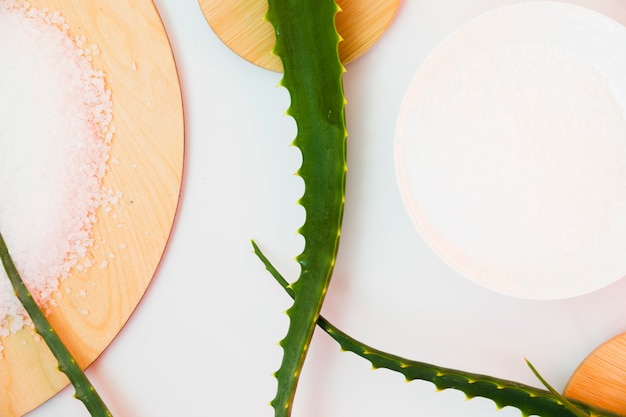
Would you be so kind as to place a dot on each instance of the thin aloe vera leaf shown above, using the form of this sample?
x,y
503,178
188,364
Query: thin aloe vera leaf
x,y
85,391
307,44
504,393
566,402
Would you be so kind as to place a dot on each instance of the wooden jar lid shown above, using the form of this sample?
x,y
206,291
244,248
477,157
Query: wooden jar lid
x,y
241,25
600,379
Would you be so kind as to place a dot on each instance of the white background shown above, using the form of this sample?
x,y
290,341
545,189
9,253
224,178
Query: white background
x,y
203,341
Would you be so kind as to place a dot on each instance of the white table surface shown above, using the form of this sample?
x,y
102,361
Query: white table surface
x,y
203,341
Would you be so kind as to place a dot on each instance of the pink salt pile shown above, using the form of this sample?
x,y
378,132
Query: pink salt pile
x,y
55,134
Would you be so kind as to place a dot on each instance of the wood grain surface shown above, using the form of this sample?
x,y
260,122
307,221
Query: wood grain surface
x,y
241,25
147,150
601,378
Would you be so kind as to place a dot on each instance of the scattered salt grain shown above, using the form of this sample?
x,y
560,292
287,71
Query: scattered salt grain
x,y
55,134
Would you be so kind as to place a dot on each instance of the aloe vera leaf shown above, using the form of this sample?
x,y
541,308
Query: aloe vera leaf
x,y
85,391
529,400
307,44
566,402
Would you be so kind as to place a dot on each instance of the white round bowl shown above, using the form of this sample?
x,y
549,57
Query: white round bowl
x,y
511,150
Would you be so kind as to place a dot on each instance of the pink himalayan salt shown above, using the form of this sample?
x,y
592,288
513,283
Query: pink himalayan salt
x,y
55,134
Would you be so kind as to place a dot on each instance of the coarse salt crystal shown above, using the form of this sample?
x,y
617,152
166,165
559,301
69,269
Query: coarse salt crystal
x,y
55,137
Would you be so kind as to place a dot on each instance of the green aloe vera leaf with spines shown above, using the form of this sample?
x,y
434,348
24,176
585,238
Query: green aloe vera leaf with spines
x,y
85,391
504,393
307,44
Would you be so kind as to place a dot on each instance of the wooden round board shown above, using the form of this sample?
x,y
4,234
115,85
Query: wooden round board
x,y
147,155
241,25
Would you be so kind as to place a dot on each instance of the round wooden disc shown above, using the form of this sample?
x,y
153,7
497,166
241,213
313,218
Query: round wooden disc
x,y
601,378
92,305
241,25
